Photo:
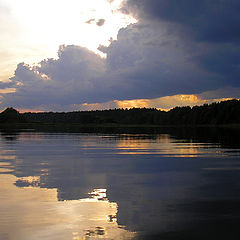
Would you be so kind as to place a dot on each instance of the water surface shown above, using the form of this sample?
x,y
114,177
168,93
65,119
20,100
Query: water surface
x,y
166,185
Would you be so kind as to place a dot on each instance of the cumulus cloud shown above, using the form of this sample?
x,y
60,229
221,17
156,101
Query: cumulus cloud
x,y
154,62
210,27
73,77
178,47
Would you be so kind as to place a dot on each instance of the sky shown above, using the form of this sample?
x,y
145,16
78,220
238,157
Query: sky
x,y
72,55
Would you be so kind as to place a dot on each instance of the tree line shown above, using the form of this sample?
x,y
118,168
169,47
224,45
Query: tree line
x,y
225,112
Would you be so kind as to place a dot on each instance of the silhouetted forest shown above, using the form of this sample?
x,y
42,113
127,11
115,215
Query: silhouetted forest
x,y
225,112
10,115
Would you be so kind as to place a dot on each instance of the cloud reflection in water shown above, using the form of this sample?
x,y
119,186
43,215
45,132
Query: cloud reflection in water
x,y
31,212
167,188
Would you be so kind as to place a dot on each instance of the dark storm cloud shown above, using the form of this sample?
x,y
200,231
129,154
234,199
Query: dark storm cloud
x,y
153,62
209,30
206,20
223,59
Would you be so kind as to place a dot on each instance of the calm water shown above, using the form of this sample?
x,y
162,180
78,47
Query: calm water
x,y
167,185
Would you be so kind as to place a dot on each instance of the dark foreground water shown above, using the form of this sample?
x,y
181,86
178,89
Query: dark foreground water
x,y
170,184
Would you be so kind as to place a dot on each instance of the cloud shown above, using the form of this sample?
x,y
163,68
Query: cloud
x,y
205,31
4,85
71,78
90,21
152,62
99,22
227,92
177,47
206,20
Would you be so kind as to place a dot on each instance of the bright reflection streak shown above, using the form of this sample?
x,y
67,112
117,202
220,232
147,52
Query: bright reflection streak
x,y
163,145
99,194
35,213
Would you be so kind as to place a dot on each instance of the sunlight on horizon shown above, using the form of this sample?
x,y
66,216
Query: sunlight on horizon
x,y
162,103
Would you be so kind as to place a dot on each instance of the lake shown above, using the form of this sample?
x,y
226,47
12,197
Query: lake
x,y
170,183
